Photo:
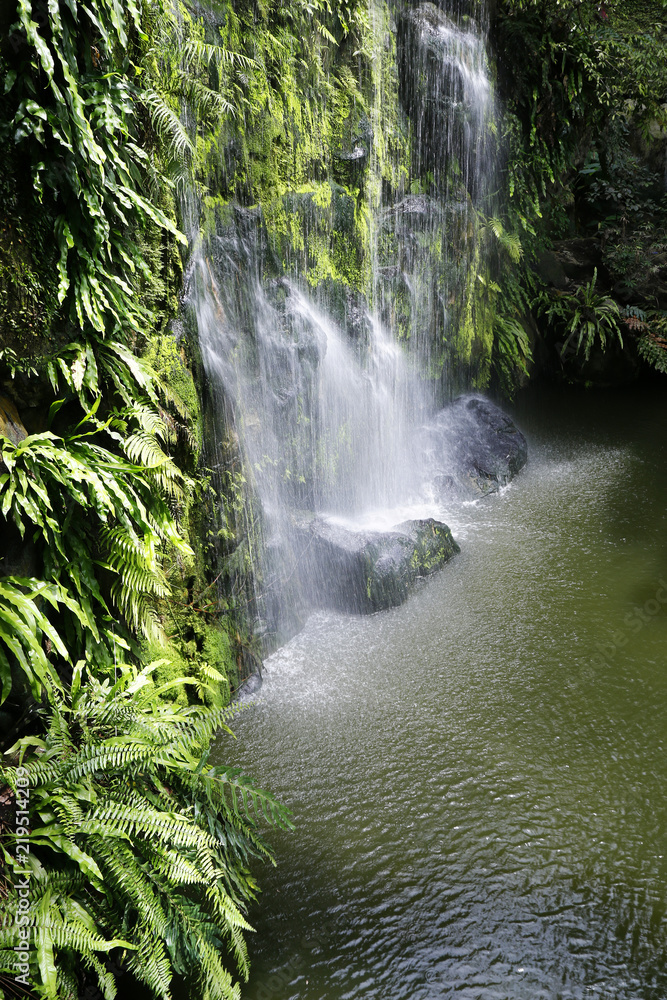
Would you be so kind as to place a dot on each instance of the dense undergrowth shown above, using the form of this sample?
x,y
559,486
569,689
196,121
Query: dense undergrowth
x,y
585,88
123,850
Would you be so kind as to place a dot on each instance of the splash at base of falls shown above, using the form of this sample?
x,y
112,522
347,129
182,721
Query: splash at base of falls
x,y
352,466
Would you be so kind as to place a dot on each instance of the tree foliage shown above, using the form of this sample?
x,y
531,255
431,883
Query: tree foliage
x,y
586,86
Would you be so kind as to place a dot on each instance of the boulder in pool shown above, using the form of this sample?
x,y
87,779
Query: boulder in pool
x,y
365,571
472,448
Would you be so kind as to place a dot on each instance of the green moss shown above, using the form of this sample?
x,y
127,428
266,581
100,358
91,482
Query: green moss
x,y
171,667
206,664
320,231
170,360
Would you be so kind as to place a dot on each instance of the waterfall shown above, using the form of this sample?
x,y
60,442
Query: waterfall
x,y
324,389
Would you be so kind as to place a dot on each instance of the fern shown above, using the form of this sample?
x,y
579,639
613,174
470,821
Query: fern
x,y
22,626
168,125
138,813
584,317
128,820
49,478
652,329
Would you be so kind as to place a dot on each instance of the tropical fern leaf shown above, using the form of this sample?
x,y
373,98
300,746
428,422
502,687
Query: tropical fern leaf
x,y
169,834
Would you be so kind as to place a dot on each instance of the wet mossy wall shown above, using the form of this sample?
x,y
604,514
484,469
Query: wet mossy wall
x,y
316,152
322,144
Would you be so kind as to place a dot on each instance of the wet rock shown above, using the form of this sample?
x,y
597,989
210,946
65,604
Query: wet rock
x,y
443,88
352,158
348,308
250,687
365,571
551,270
432,86
472,448
578,258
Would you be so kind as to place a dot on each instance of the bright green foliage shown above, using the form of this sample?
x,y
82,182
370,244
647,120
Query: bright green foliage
x,y
300,102
23,629
74,120
73,492
511,348
512,352
97,500
139,849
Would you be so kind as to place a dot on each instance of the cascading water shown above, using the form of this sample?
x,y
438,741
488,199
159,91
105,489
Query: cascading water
x,y
325,422
326,393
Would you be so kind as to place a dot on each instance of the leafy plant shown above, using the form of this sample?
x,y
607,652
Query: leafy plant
x,y
139,848
95,514
584,317
24,627
70,83
511,352
509,242
651,328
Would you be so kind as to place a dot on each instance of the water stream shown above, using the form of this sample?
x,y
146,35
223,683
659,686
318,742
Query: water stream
x,y
477,777
324,391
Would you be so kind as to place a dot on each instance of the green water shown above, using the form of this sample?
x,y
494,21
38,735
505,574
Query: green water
x,y
477,777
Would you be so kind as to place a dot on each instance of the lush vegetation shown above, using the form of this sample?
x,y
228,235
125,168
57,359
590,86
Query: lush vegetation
x,y
119,643
585,88
137,848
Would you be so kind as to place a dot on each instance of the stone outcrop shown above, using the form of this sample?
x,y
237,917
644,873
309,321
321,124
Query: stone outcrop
x,y
11,425
473,448
366,571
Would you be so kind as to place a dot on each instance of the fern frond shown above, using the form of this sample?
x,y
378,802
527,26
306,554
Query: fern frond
x,y
168,126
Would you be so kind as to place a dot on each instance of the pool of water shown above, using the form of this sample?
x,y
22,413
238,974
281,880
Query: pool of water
x,y
478,777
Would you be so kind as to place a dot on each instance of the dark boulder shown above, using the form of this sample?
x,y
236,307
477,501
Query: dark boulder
x,y
579,258
472,448
249,688
365,571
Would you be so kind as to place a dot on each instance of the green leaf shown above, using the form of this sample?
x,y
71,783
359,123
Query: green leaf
x,y
5,677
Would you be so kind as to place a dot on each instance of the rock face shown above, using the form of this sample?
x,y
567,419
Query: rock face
x,y
472,448
250,687
365,571
443,89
